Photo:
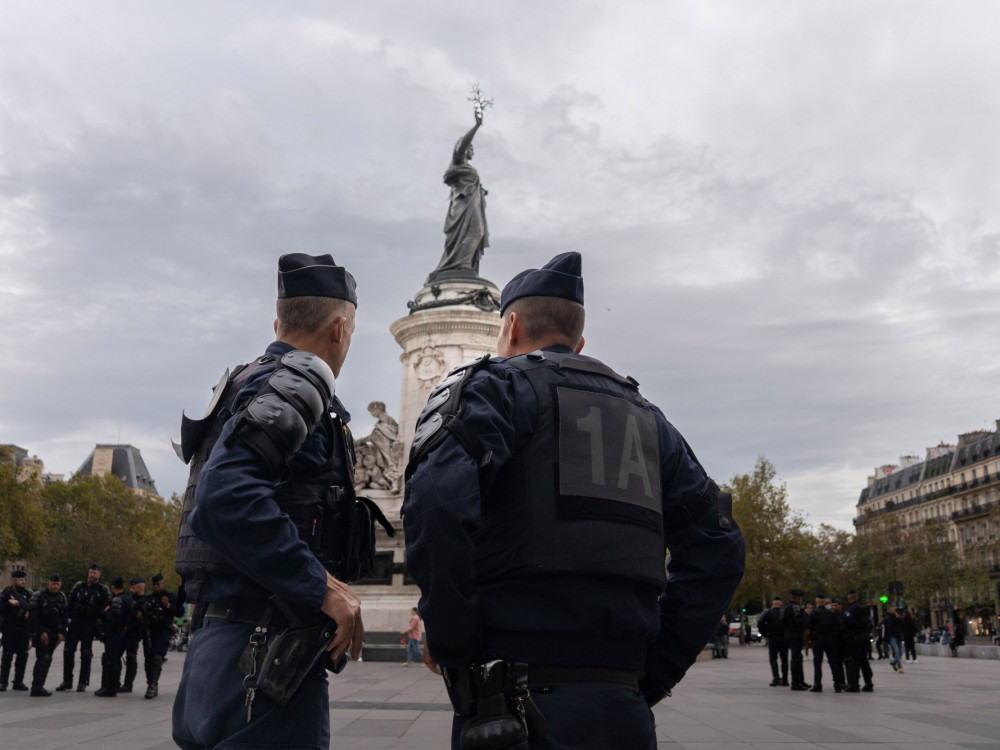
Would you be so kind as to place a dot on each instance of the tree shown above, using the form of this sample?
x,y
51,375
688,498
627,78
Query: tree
x,y
23,521
99,519
776,537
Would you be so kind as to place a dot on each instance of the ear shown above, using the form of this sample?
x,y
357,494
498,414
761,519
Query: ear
x,y
579,347
275,327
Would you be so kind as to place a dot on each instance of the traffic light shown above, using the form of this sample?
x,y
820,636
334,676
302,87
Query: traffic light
x,y
884,599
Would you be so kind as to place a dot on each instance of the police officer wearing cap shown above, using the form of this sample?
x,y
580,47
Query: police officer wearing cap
x,y
133,632
116,619
793,618
14,602
857,625
87,602
542,491
47,622
274,441
157,614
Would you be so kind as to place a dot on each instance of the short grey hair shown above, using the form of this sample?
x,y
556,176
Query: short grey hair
x,y
306,315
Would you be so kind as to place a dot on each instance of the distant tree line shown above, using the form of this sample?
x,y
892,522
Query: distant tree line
x,y
64,527
784,552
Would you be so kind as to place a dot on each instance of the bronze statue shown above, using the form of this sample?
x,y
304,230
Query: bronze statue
x,y
465,230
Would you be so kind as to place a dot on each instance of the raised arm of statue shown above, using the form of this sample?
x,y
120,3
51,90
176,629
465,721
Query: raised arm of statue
x,y
463,149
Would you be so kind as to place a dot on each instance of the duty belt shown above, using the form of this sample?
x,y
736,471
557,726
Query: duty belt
x,y
244,612
546,674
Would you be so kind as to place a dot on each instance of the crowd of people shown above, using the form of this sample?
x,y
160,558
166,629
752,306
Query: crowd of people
x,y
832,632
92,611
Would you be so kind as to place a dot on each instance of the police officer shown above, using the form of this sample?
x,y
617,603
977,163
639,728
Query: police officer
x,y
771,627
47,622
824,626
87,602
793,618
283,445
14,602
133,633
158,611
116,619
542,491
857,641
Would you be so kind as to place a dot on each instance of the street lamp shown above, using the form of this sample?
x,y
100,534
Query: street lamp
x,y
944,562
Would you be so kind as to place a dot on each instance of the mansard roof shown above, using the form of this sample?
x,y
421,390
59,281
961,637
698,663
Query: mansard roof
x,y
126,464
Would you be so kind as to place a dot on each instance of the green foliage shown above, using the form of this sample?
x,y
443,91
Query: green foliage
x,y
23,522
100,519
776,536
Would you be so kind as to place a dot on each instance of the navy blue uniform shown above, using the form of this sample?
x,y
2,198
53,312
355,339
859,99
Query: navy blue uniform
x,y
130,643
47,615
116,620
158,622
771,627
16,637
236,513
86,606
568,621
857,643
825,626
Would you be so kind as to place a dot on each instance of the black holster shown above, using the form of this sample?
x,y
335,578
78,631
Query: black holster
x,y
499,711
280,659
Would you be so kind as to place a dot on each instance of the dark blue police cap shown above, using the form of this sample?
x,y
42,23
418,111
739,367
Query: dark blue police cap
x,y
118,583
796,592
302,275
55,577
560,277
158,577
137,579
95,566
17,574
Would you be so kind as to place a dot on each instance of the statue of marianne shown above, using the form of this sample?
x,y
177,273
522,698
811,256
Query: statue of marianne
x,y
465,230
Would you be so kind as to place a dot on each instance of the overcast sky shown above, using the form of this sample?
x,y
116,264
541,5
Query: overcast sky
x,y
787,211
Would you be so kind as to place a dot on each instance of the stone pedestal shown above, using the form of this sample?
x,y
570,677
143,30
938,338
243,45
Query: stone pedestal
x,y
441,335
452,322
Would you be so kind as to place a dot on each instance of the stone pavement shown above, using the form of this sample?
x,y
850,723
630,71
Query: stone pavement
x,y
938,704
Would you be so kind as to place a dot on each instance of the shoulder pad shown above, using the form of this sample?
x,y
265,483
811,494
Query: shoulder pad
x,y
443,405
193,431
277,421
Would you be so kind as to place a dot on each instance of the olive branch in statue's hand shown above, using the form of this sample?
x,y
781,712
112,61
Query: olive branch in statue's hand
x,y
479,102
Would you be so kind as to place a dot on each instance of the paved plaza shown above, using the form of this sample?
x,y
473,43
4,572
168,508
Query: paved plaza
x,y
939,703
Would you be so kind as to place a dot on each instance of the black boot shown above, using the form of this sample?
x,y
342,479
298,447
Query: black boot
x,y
5,668
152,690
40,692
131,667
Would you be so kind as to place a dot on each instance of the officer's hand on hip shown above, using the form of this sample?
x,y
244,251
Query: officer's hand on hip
x,y
344,608
429,661
44,637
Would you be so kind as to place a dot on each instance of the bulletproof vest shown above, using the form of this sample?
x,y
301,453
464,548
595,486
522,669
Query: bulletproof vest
x,y
310,501
15,616
792,617
824,621
88,601
583,496
856,618
154,613
117,611
50,609
774,624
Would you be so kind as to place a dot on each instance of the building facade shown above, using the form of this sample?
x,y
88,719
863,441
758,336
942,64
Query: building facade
x,y
956,488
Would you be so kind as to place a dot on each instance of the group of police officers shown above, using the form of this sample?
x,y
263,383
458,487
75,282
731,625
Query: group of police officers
x,y
122,619
841,636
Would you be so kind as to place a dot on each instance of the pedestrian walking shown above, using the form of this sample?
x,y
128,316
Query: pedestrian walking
x,y
414,635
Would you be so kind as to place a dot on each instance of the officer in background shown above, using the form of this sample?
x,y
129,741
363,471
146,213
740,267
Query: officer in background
x,y
14,602
116,619
793,619
771,627
857,644
133,633
47,621
284,444
542,492
87,602
157,616
824,626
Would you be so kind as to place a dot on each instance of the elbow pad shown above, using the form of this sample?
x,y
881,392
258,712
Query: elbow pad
x,y
277,421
